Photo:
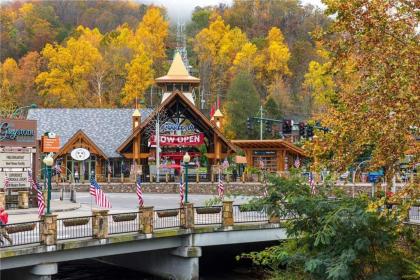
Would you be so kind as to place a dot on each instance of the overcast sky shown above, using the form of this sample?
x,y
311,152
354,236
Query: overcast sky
x,y
182,8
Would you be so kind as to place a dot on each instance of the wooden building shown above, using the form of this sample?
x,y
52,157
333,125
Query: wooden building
x,y
274,155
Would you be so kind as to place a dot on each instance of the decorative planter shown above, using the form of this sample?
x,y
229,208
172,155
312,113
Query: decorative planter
x,y
167,213
20,228
75,222
208,210
247,208
124,217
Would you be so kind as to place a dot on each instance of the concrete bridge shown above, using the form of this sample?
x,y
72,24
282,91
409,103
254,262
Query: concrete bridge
x,y
166,243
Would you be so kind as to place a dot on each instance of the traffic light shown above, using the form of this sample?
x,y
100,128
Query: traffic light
x,y
268,127
287,127
310,131
249,123
301,129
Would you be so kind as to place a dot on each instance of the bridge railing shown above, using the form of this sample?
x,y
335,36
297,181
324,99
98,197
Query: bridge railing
x,y
123,222
167,218
20,234
208,215
73,228
249,214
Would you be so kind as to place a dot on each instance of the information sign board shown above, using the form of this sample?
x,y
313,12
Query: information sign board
x,y
15,160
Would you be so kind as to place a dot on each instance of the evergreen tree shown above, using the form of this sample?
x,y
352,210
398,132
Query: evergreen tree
x,y
242,102
272,109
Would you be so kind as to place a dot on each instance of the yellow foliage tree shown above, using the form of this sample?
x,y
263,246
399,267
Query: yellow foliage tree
x,y
151,33
140,76
66,82
245,59
8,72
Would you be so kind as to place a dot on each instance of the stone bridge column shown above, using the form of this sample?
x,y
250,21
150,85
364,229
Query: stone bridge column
x,y
146,219
3,200
48,229
43,271
23,199
187,216
100,223
227,214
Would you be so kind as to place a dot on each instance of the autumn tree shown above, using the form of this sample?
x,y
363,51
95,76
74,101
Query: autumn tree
x,y
242,102
216,48
140,77
8,72
66,82
375,62
151,35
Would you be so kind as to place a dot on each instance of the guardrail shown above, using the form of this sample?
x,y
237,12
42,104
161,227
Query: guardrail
x,y
49,230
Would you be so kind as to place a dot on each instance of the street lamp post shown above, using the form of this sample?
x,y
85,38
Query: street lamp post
x,y
48,161
186,160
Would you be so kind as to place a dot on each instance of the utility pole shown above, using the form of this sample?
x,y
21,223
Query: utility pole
x,y
261,124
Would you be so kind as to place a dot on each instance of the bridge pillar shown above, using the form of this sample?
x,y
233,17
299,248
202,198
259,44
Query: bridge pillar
x,y
181,263
187,216
227,214
99,223
146,219
43,271
48,230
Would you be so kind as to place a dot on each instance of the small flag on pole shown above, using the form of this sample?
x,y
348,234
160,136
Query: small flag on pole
x,y
220,187
181,191
312,183
297,162
100,198
39,197
139,191
57,168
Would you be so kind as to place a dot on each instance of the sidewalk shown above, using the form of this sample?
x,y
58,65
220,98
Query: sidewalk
x,y
56,206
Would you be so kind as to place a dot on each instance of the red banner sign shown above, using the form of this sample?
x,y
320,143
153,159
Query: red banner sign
x,y
178,140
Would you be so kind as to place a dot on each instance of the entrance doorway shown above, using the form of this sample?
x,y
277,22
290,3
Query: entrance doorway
x,y
81,170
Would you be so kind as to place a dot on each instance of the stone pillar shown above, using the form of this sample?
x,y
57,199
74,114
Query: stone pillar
x,y
227,214
44,271
23,199
243,177
45,195
3,200
151,178
109,178
197,177
187,216
122,178
146,219
48,229
274,219
100,223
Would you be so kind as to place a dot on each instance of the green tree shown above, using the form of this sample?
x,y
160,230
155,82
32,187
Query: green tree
x,y
346,238
242,102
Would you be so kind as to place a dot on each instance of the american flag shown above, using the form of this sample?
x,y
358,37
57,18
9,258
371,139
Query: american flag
x,y
312,183
181,192
297,162
40,198
139,191
100,198
6,181
220,187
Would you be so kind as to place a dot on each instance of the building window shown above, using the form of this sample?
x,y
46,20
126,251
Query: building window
x,y
169,87
186,87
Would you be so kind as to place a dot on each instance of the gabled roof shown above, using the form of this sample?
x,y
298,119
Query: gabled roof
x,y
177,72
267,144
67,147
107,128
165,103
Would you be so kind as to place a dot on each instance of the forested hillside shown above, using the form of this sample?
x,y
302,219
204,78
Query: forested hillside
x,y
107,54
